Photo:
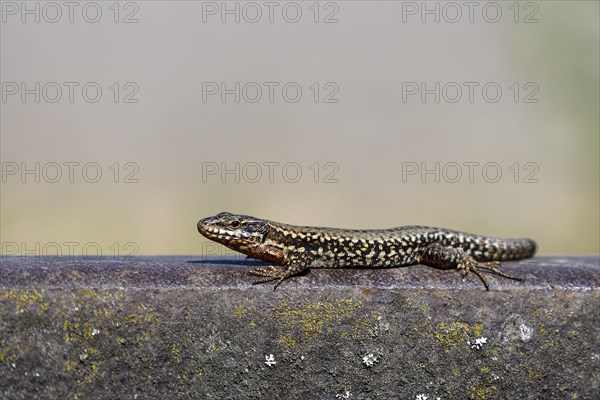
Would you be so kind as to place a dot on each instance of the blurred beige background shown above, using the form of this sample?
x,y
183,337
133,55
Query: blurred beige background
x,y
366,127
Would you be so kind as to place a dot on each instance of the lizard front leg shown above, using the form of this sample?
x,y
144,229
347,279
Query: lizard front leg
x,y
445,257
297,263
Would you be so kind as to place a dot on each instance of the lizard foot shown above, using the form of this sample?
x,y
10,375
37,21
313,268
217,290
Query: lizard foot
x,y
269,274
436,255
470,264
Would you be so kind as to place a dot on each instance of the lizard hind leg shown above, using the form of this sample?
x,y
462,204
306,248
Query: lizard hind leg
x,y
439,256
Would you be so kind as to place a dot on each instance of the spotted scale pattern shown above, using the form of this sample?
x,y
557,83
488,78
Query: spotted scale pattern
x,y
301,247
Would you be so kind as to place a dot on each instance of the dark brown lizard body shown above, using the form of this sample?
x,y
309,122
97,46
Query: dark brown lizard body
x,y
298,248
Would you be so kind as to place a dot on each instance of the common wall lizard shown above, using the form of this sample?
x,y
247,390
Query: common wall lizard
x,y
298,248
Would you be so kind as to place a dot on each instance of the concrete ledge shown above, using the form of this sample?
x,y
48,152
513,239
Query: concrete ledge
x,y
196,328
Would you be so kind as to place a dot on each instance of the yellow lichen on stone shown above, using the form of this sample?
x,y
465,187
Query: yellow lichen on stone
x,y
533,375
454,334
176,352
3,353
144,315
97,296
89,331
8,355
104,313
26,300
240,312
90,316
286,340
143,337
481,392
477,330
85,321
315,319
70,365
90,374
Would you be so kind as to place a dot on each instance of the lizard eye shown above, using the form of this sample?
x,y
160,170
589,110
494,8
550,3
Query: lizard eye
x,y
235,224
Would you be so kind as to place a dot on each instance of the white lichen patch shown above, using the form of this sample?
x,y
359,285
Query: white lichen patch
x,y
478,343
525,332
270,360
344,396
369,360
380,327
423,396
516,329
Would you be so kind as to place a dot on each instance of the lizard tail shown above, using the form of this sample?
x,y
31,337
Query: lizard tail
x,y
492,249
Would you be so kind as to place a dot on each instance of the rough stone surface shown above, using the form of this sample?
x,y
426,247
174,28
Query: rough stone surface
x,y
196,328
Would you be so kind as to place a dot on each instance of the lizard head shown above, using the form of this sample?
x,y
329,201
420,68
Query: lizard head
x,y
238,232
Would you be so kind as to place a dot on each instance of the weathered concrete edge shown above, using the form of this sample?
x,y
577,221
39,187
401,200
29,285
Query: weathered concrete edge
x,y
220,273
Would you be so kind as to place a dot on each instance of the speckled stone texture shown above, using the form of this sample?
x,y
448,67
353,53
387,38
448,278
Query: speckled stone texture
x,y
196,328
